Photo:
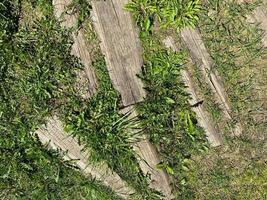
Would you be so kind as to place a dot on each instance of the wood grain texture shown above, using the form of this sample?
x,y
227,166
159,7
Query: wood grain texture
x,y
204,120
121,47
53,134
192,39
87,82
148,158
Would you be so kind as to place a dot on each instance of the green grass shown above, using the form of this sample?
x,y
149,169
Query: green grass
x,y
82,8
37,72
98,125
168,13
235,47
97,122
40,75
37,80
166,115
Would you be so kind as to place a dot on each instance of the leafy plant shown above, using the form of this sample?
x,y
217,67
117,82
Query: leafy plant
x,y
168,13
36,74
236,48
166,114
98,125
81,8
9,17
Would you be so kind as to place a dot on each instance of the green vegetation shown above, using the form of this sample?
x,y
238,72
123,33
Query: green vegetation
x,y
43,80
37,80
235,46
226,33
39,73
98,125
233,171
169,13
82,8
97,122
166,114
35,75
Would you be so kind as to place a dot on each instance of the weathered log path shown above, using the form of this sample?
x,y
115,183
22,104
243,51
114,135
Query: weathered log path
x,y
192,39
204,120
87,82
53,132
149,158
121,47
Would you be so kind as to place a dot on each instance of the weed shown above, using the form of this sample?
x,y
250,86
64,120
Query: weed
x,y
37,72
98,125
82,9
169,13
166,114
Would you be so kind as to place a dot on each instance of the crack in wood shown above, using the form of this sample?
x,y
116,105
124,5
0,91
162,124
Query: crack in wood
x,y
192,39
213,136
122,49
53,132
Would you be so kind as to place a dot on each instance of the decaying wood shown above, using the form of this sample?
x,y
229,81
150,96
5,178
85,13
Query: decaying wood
x,y
204,120
201,57
121,47
53,134
149,159
87,82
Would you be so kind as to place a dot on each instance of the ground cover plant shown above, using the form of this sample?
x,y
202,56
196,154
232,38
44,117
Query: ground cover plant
x,y
45,72
98,125
170,13
48,87
166,114
37,80
36,68
235,45
236,170
97,122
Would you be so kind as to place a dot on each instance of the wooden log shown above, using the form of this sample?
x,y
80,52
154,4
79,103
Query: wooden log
x,y
192,39
121,47
204,120
87,82
148,158
53,134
